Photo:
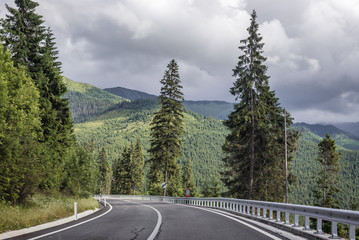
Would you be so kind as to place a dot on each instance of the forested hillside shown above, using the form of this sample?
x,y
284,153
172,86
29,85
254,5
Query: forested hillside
x,y
130,120
88,101
352,127
129,93
306,167
203,140
215,109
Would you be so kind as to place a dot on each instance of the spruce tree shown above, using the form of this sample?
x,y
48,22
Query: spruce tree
x,y
166,132
326,185
32,45
188,178
254,161
21,167
128,170
138,170
105,170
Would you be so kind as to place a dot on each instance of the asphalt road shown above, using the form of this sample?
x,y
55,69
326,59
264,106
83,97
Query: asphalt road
x,y
134,219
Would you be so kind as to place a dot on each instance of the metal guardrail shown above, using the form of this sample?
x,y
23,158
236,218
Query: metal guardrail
x,y
268,210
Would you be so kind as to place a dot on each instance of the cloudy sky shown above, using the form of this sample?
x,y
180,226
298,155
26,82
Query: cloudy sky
x,y
312,47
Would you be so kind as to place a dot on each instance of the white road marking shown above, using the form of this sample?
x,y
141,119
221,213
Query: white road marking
x,y
159,220
63,229
237,220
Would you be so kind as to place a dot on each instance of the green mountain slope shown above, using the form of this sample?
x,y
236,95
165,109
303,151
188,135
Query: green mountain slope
x,y
351,127
341,137
129,93
121,123
305,168
87,101
215,109
129,121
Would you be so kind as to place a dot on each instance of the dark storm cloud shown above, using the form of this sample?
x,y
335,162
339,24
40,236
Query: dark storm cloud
x,y
311,45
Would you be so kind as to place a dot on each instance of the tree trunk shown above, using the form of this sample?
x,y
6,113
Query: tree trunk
x,y
251,170
165,178
285,156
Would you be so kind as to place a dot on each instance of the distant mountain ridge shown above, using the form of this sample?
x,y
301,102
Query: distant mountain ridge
x,y
87,101
352,127
215,109
342,138
129,93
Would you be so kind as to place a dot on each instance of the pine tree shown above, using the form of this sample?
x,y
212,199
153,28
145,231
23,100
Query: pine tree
x,y
188,178
206,191
33,46
254,166
128,170
20,127
105,172
166,132
326,187
138,170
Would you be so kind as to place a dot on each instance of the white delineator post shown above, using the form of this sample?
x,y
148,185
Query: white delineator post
x,y
75,210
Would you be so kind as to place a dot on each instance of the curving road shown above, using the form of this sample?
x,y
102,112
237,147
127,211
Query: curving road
x,y
135,219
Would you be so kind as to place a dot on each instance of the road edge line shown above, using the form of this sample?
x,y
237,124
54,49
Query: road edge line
x,y
237,220
63,229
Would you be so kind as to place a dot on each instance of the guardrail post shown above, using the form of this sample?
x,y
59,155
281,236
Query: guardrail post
x,y
319,226
264,212
334,231
296,220
278,216
258,212
75,210
351,232
287,218
306,224
270,214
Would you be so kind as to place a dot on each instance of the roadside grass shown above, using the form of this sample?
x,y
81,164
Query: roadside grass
x,y
41,209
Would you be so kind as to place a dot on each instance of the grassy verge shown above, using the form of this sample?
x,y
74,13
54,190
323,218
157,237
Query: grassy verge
x,y
41,209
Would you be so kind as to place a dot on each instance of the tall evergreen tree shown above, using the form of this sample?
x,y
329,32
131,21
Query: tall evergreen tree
x,y
105,169
166,132
33,46
128,170
138,170
327,180
188,178
20,127
254,160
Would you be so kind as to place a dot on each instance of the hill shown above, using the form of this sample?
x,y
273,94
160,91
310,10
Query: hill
x,y
131,120
215,109
341,137
129,93
305,167
352,127
87,101
126,121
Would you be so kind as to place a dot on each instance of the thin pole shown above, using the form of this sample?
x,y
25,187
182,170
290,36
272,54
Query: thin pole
x,y
285,156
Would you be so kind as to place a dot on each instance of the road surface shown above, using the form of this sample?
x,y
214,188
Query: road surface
x,y
137,220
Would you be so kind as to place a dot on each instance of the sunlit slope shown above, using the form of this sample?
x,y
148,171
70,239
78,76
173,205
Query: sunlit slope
x,y
87,101
115,129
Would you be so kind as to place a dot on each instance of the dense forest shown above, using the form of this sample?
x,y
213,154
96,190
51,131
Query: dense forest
x,y
203,142
38,149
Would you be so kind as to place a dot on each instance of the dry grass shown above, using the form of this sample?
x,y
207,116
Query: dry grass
x,y
41,209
